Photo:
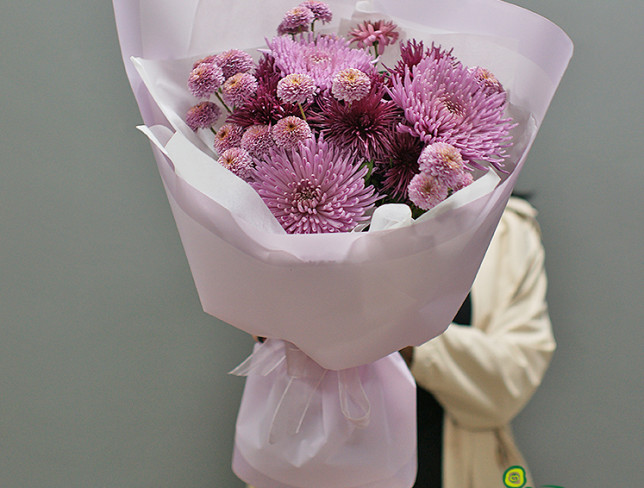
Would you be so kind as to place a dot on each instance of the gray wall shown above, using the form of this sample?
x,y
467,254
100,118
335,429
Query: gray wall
x,y
112,376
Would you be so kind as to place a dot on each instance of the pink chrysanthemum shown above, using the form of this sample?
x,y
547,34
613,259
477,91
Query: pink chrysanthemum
x,y
290,131
363,127
314,189
257,140
443,161
443,102
239,88
426,191
238,161
350,85
228,136
295,88
321,10
205,79
296,20
379,33
202,116
487,80
234,61
319,57
398,165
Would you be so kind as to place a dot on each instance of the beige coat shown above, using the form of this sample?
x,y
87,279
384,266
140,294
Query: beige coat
x,y
484,375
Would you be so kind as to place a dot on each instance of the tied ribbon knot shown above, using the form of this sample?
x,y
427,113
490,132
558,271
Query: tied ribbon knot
x,y
304,379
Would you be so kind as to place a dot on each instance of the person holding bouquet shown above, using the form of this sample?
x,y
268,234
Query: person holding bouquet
x,y
478,375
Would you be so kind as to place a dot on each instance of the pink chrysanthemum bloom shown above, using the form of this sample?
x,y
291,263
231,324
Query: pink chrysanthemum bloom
x,y
398,165
444,162
426,191
487,79
202,116
314,189
296,20
320,58
228,136
321,10
443,102
239,88
238,161
379,33
295,88
234,61
350,85
290,131
205,79
257,140
363,127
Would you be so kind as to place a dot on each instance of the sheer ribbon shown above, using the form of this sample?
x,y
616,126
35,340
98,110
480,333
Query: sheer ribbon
x,y
304,379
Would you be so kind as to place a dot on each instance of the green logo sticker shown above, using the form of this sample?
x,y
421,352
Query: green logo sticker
x,y
514,477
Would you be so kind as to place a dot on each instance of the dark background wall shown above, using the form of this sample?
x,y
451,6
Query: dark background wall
x,y
112,376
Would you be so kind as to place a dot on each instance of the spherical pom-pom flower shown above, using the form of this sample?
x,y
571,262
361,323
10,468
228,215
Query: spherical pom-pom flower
x,y
238,161
426,191
239,88
350,85
257,140
321,10
205,79
290,131
487,80
314,189
234,61
444,162
295,88
379,33
229,135
296,20
202,116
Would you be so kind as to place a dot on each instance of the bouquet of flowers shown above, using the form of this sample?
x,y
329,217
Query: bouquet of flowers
x,y
276,152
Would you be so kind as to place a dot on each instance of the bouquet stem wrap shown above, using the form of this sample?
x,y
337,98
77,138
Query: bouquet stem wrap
x,y
301,425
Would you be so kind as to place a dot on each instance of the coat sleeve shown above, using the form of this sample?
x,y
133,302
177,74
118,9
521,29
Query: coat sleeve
x,y
484,375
